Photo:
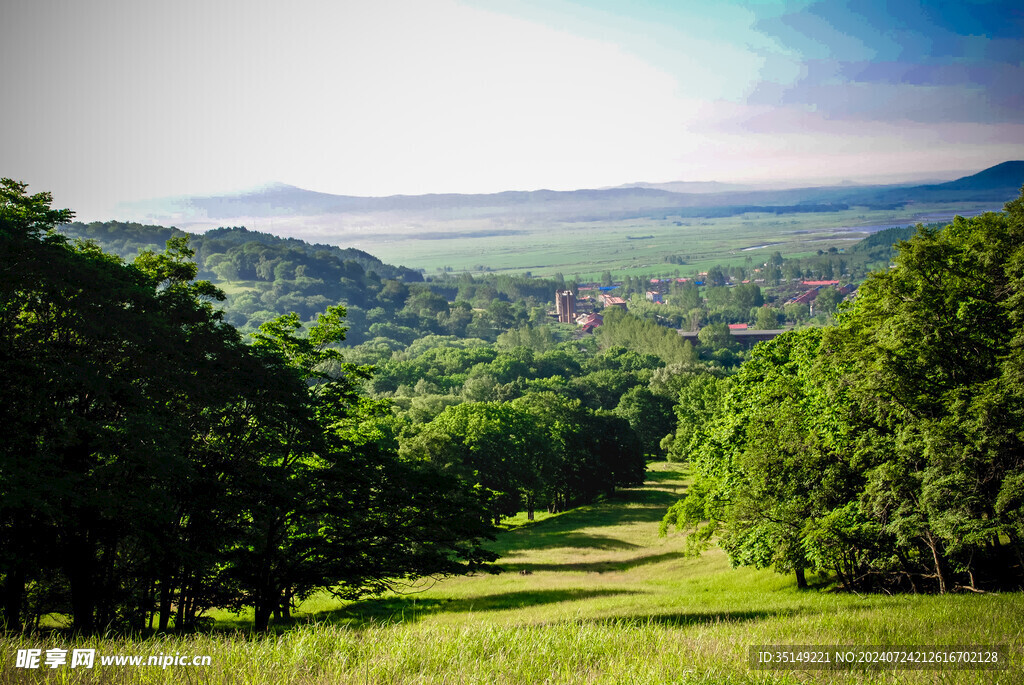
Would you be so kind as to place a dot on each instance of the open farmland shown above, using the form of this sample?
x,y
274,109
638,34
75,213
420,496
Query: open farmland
x,y
631,247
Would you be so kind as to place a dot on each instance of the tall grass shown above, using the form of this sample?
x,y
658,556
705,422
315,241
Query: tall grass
x,y
605,600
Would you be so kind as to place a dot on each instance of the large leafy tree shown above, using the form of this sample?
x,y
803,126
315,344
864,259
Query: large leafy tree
x,y
935,363
28,248
650,416
96,356
591,453
770,462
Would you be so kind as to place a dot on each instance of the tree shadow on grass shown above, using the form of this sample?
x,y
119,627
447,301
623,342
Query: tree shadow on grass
x,y
595,566
410,608
663,476
643,506
683,619
544,538
663,495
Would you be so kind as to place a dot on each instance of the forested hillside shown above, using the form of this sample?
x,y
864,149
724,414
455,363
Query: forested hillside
x,y
265,276
238,252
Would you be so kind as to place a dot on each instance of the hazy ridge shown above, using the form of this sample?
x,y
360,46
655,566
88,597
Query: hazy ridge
x,y
279,200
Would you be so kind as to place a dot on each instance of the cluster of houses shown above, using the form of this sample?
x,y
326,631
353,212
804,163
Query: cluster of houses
x,y
581,312
569,309
659,286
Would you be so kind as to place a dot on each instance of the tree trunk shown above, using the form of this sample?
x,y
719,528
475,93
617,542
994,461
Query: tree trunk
x,y
166,597
14,593
145,608
261,621
940,562
286,606
186,605
267,600
83,598
842,576
970,572
906,569
801,581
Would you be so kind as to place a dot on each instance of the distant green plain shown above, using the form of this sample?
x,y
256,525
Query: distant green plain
x,y
632,247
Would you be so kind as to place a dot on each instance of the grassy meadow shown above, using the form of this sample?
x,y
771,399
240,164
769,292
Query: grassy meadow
x,y
589,596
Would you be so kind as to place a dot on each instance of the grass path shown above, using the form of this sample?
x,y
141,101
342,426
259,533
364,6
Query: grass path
x,y
603,600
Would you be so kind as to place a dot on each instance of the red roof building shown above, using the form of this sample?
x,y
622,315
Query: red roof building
x,y
589,322
805,298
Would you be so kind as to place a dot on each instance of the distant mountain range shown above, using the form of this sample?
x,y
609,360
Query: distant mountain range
x,y
691,186
996,184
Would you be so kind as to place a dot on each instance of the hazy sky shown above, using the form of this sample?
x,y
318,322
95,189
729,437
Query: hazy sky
x,y
111,100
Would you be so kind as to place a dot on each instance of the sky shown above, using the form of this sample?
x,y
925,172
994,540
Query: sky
x,y
107,101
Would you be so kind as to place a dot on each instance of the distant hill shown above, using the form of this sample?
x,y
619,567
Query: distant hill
x,y
1008,176
882,245
264,276
278,199
997,184
686,187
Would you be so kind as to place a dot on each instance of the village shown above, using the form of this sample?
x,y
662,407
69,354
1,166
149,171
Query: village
x,y
586,306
